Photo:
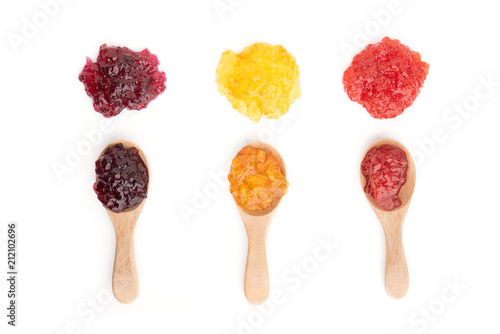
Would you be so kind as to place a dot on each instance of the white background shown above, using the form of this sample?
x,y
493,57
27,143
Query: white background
x,y
191,274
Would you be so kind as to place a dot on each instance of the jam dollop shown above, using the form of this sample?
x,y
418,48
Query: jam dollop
x,y
263,79
121,78
385,78
385,169
256,179
122,178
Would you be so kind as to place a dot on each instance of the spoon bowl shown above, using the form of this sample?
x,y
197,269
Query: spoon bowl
x,y
257,225
396,268
125,280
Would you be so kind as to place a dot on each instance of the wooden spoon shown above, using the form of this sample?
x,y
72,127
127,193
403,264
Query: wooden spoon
x,y
125,281
257,225
396,269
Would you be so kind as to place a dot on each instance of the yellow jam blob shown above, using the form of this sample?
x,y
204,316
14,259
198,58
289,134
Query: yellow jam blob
x,y
263,79
256,179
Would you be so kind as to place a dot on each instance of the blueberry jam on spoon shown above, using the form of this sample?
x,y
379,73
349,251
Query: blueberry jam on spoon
x,y
122,178
122,182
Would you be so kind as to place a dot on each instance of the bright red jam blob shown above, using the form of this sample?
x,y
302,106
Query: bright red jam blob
x,y
385,169
385,78
122,78
122,178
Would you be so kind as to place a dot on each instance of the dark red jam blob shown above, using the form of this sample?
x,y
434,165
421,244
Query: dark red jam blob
x,y
122,78
385,78
122,178
385,169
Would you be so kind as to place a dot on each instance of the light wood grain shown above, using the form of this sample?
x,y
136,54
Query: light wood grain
x,y
257,225
125,280
396,269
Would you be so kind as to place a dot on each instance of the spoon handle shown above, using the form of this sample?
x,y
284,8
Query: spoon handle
x,y
125,281
396,270
256,273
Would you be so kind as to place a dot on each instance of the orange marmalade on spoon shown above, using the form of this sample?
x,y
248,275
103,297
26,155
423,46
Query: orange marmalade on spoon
x,y
256,179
